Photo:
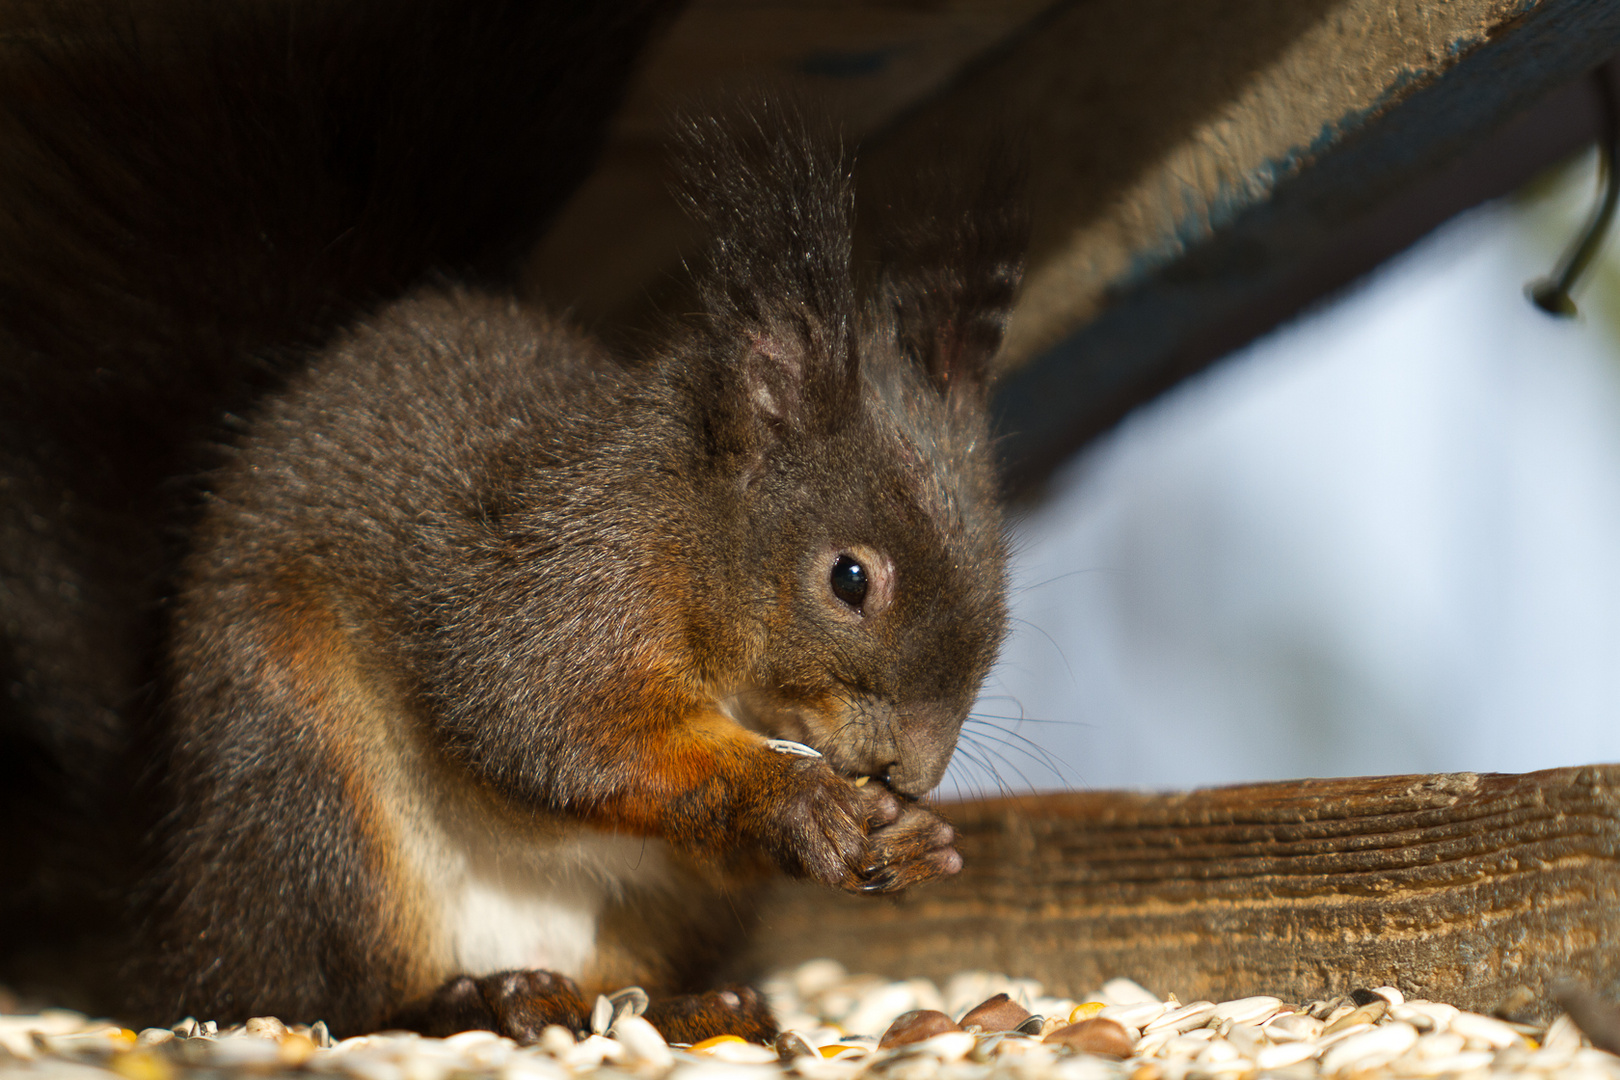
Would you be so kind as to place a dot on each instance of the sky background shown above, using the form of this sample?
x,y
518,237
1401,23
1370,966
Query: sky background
x,y
1384,538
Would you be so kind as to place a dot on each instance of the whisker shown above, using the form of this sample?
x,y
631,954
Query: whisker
x,y
1008,762
984,717
983,756
1072,573
1030,749
1055,648
982,767
1060,769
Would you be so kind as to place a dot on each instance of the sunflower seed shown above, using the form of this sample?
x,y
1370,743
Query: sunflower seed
x,y
788,746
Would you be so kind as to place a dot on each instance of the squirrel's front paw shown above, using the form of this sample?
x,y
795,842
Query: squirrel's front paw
x,y
915,846
823,825
862,838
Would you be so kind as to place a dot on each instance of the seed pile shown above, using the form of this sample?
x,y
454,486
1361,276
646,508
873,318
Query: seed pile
x,y
838,1026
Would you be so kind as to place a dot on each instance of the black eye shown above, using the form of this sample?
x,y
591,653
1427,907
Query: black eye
x,y
848,581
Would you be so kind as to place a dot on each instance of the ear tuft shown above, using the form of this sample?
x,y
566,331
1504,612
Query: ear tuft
x,y
775,191
949,281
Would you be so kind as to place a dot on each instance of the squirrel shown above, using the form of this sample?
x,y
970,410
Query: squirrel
x,y
379,647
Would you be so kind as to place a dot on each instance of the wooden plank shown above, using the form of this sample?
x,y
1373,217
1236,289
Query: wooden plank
x,y
1463,888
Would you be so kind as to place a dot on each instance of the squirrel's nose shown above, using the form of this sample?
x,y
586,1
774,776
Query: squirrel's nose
x,y
913,779
911,774
925,738
905,748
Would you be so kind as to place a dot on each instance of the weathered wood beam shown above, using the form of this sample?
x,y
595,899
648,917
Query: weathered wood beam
x,y
865,61
1461,887
1189,156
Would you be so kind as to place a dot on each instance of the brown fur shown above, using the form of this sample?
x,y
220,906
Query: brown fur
x,y
458,684
192,196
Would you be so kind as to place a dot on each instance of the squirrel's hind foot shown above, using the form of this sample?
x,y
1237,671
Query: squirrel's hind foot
x,y
522,1004
517,1004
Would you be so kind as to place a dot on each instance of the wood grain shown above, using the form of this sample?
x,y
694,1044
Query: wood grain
x,y
1460,887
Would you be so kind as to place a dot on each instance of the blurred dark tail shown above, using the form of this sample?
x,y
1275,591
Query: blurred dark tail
x,y
191,191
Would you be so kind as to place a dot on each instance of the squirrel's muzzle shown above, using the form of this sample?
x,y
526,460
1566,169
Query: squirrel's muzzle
x,y
908,749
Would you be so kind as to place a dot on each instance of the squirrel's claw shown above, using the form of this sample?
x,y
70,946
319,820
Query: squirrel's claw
x,y
865,839
915,847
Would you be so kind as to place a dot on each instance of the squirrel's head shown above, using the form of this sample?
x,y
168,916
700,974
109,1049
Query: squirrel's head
x,y
842,430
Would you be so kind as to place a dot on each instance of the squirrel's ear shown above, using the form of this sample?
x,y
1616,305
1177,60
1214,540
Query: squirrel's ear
x,y
949,281
778,304
798,374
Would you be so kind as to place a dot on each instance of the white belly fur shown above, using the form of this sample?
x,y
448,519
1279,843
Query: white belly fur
x,y
508,905
491,887
498,889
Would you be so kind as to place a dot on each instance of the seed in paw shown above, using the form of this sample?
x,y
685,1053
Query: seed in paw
x,y
915,1026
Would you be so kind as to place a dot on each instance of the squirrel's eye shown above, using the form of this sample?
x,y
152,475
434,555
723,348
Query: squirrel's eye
x,y
848,581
